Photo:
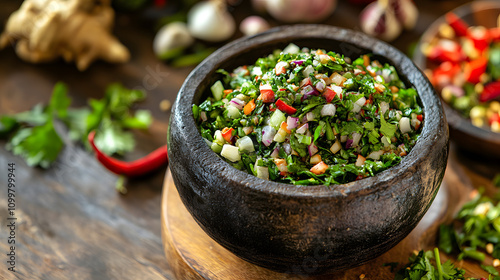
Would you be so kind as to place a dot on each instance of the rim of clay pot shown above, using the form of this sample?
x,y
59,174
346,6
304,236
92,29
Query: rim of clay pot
x,y
198,82
457,122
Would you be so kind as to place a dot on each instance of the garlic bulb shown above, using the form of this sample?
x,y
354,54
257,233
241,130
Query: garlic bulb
x,y
378,19
406,12
253,25
172,36
299,10
210,21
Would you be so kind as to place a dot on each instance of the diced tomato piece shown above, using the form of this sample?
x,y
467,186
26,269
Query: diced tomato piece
x,y
494,34
227,133
329,94
359,177
249,107
266,94
459,26
285,107
474,69
306,82
490,92
444,74
494,118
480,37
446,50
319,168
420,117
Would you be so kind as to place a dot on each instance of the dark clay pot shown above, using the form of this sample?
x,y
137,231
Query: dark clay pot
x,y
304,229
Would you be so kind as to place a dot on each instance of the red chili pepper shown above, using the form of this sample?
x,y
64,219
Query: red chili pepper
x,y
285,107
459,26
474,69
490,92
139,167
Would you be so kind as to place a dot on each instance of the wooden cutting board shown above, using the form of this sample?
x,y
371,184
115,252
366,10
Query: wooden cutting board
x,y
194,255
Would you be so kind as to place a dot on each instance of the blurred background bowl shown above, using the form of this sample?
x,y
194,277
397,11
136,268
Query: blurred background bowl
x,y
463,133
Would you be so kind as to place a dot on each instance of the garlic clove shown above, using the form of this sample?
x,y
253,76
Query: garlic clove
x,y
253,25
378,19
406,12
172,36
209,21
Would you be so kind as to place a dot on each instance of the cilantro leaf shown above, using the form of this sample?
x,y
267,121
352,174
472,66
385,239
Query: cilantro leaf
x,y
111,139
38,146
59,101
490,269
387,129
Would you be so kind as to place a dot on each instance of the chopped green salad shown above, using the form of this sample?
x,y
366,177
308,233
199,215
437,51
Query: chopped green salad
x,y
310,117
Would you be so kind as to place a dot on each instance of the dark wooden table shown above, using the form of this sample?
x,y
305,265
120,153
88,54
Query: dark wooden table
x,y
71,223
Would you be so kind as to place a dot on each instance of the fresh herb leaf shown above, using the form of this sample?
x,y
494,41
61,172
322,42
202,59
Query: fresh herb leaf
x,y
490,269
387,128
39,145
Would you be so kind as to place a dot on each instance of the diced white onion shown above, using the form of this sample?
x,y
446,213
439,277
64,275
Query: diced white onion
x,y
384,106
245,144
375,154
230,152
309,116
328,110
308,70
238,103
336,147
292,122
355,139
404,125
337,79
268,134
320,86
233,112
203,116
302,129
262,172
313,149
292,49
358,104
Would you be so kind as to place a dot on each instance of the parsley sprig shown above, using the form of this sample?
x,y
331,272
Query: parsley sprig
x,y
35,135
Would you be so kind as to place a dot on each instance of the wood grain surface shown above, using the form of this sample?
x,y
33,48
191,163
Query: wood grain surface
x,y
72,224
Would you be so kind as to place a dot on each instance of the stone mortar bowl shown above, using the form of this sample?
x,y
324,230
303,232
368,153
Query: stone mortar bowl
x,y
305,229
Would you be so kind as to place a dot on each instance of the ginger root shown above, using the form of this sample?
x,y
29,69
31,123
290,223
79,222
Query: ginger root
x,y
77,30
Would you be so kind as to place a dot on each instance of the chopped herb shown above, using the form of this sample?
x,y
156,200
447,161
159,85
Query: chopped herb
x,y
313,117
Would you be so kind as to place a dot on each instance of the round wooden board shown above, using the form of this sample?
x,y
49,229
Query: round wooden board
x,y
192,254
